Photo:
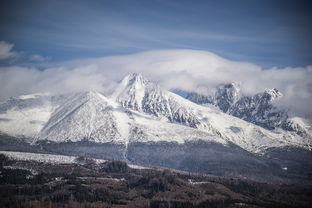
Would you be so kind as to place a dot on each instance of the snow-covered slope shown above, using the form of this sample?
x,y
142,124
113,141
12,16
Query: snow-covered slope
x,y
258,109
244,134
46,158
89,116
53,158
140,111
82,116
26,115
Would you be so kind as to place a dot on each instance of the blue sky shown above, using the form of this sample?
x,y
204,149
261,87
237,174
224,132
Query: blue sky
x,y
267,33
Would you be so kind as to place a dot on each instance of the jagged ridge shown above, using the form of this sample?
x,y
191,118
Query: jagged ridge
x,y
140,111
257,109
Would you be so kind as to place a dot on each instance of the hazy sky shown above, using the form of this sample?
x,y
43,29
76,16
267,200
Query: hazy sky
x,y
268,33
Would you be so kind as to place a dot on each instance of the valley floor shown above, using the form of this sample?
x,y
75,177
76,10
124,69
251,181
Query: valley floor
x,y
66,181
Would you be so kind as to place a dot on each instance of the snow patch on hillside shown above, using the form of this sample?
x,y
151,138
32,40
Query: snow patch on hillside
x,y
53,159
45,158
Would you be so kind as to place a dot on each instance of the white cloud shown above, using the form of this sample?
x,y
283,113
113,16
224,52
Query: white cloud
x,y
6,50
183,69
37,57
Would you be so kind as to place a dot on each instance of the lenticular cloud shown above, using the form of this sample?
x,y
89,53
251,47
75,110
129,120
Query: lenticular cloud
x,y
189,70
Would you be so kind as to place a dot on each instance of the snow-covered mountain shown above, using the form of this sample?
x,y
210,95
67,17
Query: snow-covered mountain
x,y
142,123
83,116
140,111
137,93
258,109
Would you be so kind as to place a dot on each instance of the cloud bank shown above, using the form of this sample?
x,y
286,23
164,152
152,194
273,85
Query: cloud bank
x,y
189,70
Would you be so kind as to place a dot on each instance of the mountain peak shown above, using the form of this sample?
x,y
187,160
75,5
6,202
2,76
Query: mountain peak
x,y
232,89
137,93
226,95
134,79
131,91
135,75
273,93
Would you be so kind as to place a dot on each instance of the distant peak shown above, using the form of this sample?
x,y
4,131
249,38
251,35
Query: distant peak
x,y
134,78
131,91
274,93
231,89
135,75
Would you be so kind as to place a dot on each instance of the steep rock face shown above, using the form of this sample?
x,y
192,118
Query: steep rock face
x,y
200,99
137,93
226,95
258,109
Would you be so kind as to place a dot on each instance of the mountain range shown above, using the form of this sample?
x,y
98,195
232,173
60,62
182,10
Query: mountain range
x,y
225,134
258,109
